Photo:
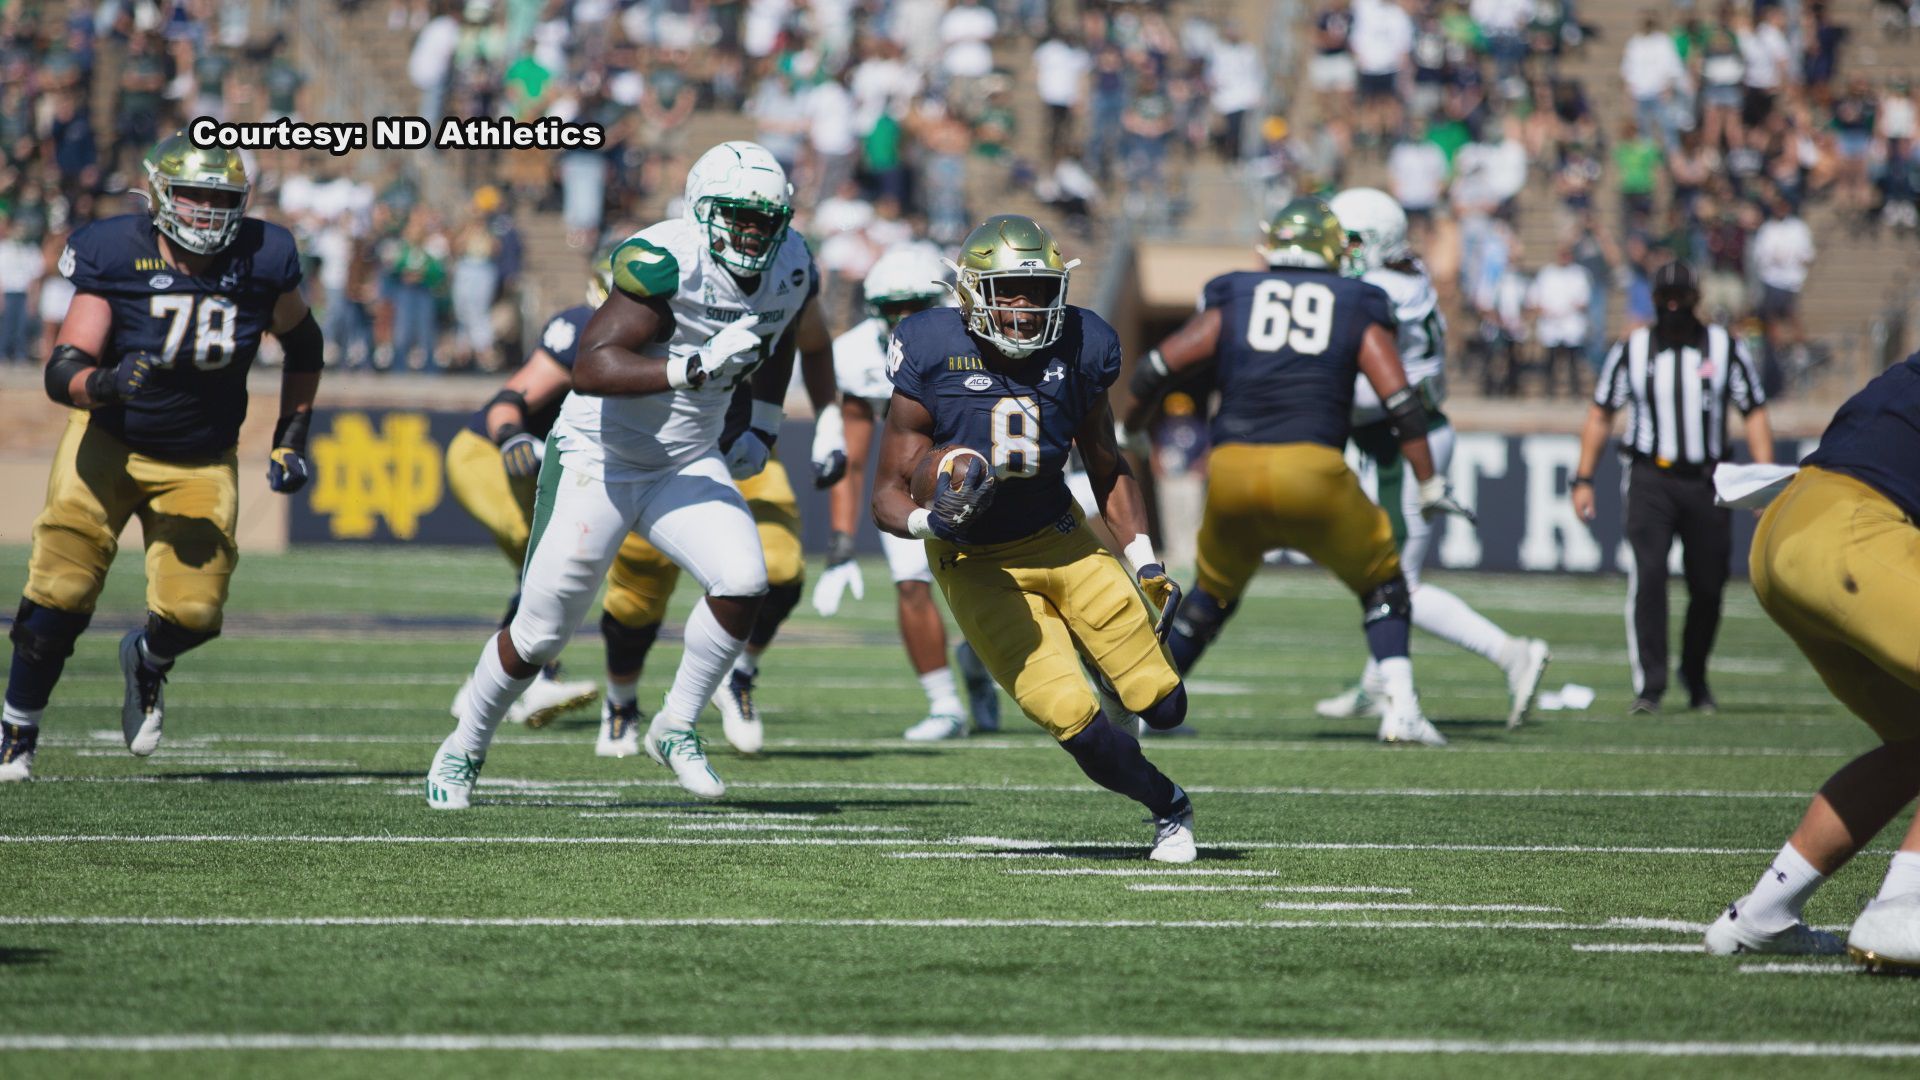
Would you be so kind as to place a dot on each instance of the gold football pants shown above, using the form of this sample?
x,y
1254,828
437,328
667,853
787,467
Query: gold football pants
x,y
1292,495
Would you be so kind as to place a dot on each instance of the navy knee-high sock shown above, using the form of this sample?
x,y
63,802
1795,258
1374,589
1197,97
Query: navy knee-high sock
x,y
1112,758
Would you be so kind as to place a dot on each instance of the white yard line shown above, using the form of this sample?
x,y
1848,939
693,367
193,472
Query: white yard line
x,y
1639,947
939,1043
1180,871
1809,968
1353,905
689,814
489,783
1036,743
617,922
1028,847
1156,886
781,826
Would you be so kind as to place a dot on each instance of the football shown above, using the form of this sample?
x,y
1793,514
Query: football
x,y
937,464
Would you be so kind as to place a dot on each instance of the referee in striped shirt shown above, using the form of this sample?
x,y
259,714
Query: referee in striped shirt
x,y
1681,375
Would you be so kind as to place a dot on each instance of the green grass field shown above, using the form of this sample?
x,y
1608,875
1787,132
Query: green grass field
x,y
269,894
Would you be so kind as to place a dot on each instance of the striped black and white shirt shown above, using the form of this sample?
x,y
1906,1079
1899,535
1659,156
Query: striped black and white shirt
x,y
1679,394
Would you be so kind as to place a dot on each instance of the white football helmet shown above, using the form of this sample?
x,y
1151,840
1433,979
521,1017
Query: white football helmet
x,y
1376,229
739,192
908,278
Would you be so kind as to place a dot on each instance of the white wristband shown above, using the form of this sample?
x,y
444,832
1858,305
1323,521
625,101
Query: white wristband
x,y
920,524
1139,552
767,416
677,377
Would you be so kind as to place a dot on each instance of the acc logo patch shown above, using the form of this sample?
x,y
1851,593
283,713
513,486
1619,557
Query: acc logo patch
x,y
978,382
160,281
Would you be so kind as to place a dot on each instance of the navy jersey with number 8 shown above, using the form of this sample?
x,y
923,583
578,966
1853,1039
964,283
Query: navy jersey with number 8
x,y
1021,414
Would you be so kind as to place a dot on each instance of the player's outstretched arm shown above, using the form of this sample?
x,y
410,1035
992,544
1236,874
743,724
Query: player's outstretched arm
x,y
540,382
907,438
609,364
1117,494
843,500
1186,350
829,451
1380,363
300,340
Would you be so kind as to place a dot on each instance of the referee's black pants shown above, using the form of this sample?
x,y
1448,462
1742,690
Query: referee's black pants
x,y
1662,504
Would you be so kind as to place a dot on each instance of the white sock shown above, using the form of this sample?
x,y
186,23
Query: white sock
x,y
490,693
1903,877
708,654
153,660
1782,891
21,717
747,663
622,694
1370,680
1448,618
1396,674
942,698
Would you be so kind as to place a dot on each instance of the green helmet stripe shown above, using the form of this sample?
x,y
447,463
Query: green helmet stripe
x,y
645,271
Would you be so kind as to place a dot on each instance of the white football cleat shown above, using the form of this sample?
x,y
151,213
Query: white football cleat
x,y
1347,704
143,709
1523,680
1173,836
17,742
549,699
451,777
937,728
683,751
1886,936
739,720
1145,731
619,730
1730,936
1403,722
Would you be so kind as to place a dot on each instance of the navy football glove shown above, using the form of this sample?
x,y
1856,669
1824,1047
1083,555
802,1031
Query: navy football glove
x,y
519,452
287,463
124,381
956,504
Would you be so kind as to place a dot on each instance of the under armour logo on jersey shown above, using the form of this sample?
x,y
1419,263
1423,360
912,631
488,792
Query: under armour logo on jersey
x,y
1057,371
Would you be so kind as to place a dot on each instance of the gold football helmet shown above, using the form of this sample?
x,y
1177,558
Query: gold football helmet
x,y
1305,233
999,251
176,166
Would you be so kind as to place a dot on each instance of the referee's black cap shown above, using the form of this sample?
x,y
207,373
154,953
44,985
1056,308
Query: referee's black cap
x,y
1675,276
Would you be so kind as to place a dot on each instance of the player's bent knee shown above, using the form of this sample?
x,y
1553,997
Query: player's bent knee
x,y
188,626
41,633
914,595
1389,600
535,640
1167,713
1064,713
785,564
631,607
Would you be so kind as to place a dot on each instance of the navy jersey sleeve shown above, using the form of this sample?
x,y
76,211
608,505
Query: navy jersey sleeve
x,y
81,261
1099,355
277,262
905,362
561,336
1217,292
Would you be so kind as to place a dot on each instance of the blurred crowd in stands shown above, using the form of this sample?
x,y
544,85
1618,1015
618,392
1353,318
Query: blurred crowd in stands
x,y
1729,120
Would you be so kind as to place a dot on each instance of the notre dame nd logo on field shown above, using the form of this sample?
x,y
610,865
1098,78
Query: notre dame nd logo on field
x,y
362,477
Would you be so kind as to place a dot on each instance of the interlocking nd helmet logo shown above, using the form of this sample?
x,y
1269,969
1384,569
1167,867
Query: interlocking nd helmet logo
x,y
361,477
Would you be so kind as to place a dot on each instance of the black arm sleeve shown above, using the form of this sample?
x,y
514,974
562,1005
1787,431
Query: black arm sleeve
x,y
302,345
1150,377
1408,415
66,362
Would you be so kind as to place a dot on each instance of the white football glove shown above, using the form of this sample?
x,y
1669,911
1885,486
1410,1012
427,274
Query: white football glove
x,y
829,447
842,574
733,349
1436,498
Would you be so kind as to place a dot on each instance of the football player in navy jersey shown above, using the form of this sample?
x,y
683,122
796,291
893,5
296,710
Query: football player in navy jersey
x,y
1836,562
1285,345
1020,376
168,311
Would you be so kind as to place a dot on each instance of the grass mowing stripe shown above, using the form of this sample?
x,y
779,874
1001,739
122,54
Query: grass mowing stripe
x,y
1351,905
1376,890
1002,1044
